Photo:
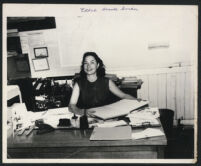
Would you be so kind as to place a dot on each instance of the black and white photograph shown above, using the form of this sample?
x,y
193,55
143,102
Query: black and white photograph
x,y
100,83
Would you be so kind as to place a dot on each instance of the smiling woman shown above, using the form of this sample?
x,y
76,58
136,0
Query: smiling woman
x,y
93,88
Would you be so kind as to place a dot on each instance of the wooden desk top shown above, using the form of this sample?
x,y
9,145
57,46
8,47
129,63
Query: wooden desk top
x,y
76,138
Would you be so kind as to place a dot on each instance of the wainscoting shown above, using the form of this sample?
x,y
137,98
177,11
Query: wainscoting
x,y
173,89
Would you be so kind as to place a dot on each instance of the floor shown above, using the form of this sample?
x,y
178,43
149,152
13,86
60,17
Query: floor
x,y
181,143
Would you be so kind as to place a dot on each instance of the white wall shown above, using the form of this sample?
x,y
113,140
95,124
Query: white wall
x,y
120,38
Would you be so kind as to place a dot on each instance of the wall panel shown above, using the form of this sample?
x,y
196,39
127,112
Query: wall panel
x,y
162,90
153,90
180,95
189,112
171,90
143,93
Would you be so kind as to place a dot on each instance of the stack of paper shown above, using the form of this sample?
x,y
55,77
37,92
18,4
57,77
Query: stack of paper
x,y
134,122
129,79
147,116
130,82
149,132
111,133
52,116
120,108
109,124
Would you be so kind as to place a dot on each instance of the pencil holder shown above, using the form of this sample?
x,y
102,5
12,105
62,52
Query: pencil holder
x,y
84,121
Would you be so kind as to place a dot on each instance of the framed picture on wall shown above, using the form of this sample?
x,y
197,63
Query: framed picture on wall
x,y
40,64
41,52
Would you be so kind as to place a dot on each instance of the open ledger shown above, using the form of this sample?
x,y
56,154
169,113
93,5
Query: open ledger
x,y
120,108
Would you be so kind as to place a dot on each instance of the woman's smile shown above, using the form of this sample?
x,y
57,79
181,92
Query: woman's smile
x,y
90,65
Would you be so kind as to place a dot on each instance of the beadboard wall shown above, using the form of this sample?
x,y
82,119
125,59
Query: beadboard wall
x,y
171,88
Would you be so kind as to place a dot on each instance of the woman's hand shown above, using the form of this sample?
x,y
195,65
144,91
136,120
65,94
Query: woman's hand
x,y
90,111
74,109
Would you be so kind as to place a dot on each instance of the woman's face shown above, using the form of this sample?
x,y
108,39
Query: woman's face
x,y
90,65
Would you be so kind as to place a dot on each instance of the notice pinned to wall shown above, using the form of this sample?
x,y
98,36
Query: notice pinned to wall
x,y
36,39
40,64
24,44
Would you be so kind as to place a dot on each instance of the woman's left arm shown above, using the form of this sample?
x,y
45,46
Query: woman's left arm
x,y
116,91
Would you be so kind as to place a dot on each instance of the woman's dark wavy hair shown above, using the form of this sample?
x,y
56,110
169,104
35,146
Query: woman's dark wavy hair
x,y
101,68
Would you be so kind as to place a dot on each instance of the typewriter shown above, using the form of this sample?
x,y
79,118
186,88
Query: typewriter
x,y
50,93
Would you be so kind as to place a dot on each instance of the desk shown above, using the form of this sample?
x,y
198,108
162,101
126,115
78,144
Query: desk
x,y
74,143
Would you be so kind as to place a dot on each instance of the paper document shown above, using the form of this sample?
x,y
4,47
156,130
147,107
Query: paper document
x,y
149,132
53,116
142,122
59,111
12,91
35,115
110,124
120,108
111,133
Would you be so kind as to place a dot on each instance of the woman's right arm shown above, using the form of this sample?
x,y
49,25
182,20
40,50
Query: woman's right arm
x,y
73,101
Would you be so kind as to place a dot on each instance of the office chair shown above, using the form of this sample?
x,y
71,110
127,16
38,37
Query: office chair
x,y
166,118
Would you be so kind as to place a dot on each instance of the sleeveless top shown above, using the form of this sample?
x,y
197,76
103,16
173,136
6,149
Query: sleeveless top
x,y
93,94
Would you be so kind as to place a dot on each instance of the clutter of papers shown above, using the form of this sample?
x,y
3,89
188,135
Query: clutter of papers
x,y
20,120
108,125
144,117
